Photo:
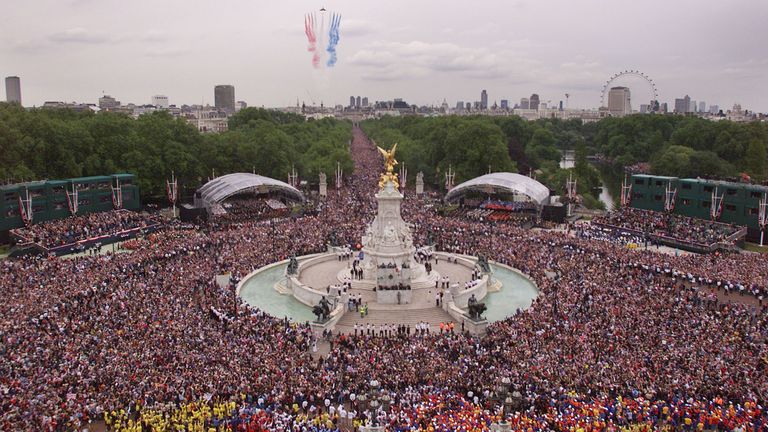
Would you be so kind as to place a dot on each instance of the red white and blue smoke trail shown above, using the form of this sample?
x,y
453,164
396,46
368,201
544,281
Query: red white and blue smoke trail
x,y
314,28
309,30
333,39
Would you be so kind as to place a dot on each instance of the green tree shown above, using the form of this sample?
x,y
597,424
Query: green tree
x,y
755,158
673,161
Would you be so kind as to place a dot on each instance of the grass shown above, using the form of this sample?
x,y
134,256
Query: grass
x,y
754,247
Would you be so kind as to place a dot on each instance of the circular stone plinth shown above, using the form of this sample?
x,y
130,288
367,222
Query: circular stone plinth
x,y
258,290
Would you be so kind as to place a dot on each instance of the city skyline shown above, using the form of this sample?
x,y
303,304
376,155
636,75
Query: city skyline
x,y
512,49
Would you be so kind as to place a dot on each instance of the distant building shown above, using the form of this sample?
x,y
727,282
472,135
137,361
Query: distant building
x,y
460,105
619,101
358,102
714,109
504,104
240,105
645,108
483,100
107,102
160,101
525,104
224,98
534,102
351,102
365,102
664,108
683,105
207,120
561,106
468,106
13,89
702,106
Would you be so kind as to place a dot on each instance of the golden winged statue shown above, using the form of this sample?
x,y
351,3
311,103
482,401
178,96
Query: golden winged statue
x,y
389,157
389,165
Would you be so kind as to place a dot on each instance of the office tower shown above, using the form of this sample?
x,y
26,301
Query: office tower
x,y
683,105
561,105
469,106
483,100
534,102
645,108
619,101
358,101
460,105
702,106
13,89
714,109
365,102
240,105
224,98
107,102
524,103
504,104
160,101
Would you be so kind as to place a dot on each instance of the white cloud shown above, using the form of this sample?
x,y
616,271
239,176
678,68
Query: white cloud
x,y
78,35
356,28
167,52
423,58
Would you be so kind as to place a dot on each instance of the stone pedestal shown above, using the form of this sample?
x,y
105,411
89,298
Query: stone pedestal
x,y
419,183
387,244
323,185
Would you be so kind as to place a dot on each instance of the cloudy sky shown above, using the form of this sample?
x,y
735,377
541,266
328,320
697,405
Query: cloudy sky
x,y
420,50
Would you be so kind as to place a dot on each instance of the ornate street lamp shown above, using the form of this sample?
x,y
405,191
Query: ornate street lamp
x,y
502,397
375,400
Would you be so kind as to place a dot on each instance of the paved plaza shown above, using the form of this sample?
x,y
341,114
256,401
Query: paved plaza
x,y
421,309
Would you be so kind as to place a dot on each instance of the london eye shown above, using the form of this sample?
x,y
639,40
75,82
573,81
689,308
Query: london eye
x,y
631,73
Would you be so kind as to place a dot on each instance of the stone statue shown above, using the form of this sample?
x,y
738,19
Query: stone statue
x,y
475,309
482,262
405,236
430,237
333,239
322,310
369,239
389,232
293,266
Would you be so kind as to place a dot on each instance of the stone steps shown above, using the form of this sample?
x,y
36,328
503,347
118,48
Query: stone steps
x,y
434,316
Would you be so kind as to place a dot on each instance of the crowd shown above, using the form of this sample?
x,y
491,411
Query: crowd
x,y
81,228
616,339
668,225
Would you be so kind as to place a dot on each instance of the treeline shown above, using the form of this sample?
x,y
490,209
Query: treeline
x,y
672,145
685,146
472,145
43,143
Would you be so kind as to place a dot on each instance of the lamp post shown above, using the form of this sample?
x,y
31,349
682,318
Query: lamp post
x,y
502,397
375,400
272,235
